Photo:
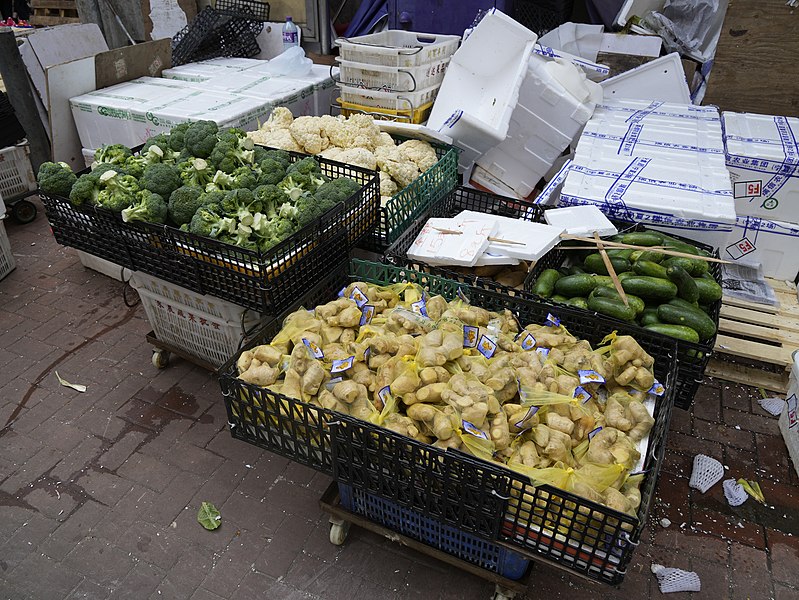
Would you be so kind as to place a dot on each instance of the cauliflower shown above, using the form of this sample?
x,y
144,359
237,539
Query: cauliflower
x,y
384,200
281,118
384,139
360,157
309,133
388,186
401,170
277,138
392,153
359,131
331,153
419,152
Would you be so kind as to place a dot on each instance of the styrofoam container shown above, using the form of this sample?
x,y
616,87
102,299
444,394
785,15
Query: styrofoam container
x,y
582,220
203,326
396,48
763,159
16,172
773,244
555,101
789,419
7,262
88,156
594,71
103,266
662,79
481,86
392,79
390,100
203,70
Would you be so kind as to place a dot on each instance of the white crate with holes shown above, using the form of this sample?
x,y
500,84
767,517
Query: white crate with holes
x,y
16,173
391,79
395,48
202,326
7,262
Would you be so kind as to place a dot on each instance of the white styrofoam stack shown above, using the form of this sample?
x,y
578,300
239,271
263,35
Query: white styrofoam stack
x,y
654,163
773,244
481,86
789,419
555,101
763,159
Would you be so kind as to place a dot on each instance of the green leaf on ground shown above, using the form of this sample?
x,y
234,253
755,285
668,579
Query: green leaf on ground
x,y
208,516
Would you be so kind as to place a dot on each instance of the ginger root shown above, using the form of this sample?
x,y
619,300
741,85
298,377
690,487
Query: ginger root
x,y
439,347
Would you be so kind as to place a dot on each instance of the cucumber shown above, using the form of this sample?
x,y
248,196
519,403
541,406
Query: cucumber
x,y
649,316
685,304
610,292
593,263
602,280
545,283
559,298
681,332
575,285
563,271
651,289
679,245
694,267
641,238
575,270
620,253
709,290
680,313
612,308
652,256
708,275
650,269
686,286
578,302
625,275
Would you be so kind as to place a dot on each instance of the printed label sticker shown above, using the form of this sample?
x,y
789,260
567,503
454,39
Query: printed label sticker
x,y
342,364
657,389
332,382
530,412
589,376
469,428
470,336
581,394
591,434
359,297
384,396
420,307
367,312
552,320
313,348
528,342
486,346
543,351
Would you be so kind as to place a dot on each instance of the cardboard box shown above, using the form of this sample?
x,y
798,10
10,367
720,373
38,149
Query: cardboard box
x,y
773,244
763,160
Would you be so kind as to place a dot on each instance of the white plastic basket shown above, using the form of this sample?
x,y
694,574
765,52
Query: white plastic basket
x,y
16,173
395,48
388,100
392,79
202,326
101,265
7,262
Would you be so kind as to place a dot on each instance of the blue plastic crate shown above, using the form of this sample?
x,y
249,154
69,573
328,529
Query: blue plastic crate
x,y
433,533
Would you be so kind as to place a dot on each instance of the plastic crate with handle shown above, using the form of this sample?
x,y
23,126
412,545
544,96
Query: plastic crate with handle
x,y
7,262
16,173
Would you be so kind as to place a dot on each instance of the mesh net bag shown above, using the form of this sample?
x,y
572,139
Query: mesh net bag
x,y
772,406
734,492
676,580
707,473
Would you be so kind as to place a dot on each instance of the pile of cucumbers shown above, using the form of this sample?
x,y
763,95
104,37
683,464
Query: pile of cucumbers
x,y
669,295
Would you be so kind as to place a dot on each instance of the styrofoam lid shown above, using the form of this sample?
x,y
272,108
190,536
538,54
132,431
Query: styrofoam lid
x,y
580,220
435,246
536,239
411,130
760,136
661,79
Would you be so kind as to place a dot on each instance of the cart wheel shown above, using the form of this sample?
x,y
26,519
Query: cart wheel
x,y
338,531
500,593
24,211
160,359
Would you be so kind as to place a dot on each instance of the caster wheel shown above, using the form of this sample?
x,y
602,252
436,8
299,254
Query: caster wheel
x,y
160,359
24,211
501,593
338,532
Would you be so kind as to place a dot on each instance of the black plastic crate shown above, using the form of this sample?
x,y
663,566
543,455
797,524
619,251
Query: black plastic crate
x,y
691,358
542,16
478,497
459,199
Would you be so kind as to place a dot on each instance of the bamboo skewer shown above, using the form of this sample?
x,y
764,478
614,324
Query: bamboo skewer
x,y
611,270
490,238
578,238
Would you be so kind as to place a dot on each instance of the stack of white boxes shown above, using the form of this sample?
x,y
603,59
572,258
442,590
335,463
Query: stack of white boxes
x,y
763,159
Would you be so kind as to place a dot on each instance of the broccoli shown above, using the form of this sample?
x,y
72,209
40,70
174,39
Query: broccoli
x,y
272,172
85,190
306,166
183,203
135,165
270,232
115,154
215,196
326,197
117,192
161,179
100,168
295,186
220,181
161,141
177,137
200,138
147,207
196,172
233,135
259,154
209,222
288,211
270,197
241,205
56,178
245,177
279,156
228,156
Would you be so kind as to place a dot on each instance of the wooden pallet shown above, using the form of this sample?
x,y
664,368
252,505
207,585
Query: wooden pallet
x,y
54,12
756,332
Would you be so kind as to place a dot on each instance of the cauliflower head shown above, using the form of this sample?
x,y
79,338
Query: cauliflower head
x,y
309,133
419,152
277,138
388,187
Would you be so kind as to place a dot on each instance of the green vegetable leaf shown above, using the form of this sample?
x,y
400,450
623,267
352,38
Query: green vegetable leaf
x,y
208,516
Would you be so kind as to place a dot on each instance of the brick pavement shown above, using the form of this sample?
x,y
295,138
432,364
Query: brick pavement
x,y
99,491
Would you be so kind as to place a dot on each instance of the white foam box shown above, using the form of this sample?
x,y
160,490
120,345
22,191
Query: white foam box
x,y
789,419
773,244
481,87
215,67
763,159
555,102
662,79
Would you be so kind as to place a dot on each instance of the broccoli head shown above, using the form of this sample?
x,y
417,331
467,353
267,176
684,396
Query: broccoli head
x,y
333,192
147,207
306,166
270,197
196,172
240,204
117,192
272,172
86,190
177,137
221,181
295,186
208,221
135,165
200,138
229,156
161,141
212,197
279,156
56,178
233,135
161,179
245,177
100,168
183,203
115,154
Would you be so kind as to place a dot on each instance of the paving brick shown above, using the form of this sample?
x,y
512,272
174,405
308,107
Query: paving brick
x,y
672,499
226,445
165,507
146,415
184,403
72,531
256,585
159,445
139,583
223,482
692,445
59,435
88,590
18,447
136,502
76,461
250,512
100,561
315,576
235,562
101,423
770,452
187,527
737,397
299,474
202,594
182,579
705,547
707,404
767,425
193,459
728,527
677,463
724,434
24,541
784,553
680,421
750,573
33,468
147,471
263,474
283,546
156,545
296,499
122,448
106,488
35,416
362,560
50,501
204,430
41,577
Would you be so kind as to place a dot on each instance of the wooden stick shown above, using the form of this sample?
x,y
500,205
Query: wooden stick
x,y
490,238
578,238
611,270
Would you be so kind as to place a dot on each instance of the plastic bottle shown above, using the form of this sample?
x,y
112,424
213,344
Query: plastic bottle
x,y
291,35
